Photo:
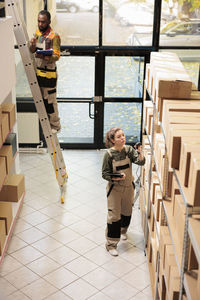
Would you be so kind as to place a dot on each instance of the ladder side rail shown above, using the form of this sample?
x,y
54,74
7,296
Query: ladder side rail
x,y
27,59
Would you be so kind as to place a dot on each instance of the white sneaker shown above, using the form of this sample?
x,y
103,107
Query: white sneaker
x,y
124,236
113,252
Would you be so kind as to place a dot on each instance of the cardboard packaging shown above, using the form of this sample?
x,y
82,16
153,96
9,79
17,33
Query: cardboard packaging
x,y
158,200
6,151
2,235
169,261
174,143
13,188
10,110
4,126
165,239
6,214
193,190
155,182
2,171
12,140
188,146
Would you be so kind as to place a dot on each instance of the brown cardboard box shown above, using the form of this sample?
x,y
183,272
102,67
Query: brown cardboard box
x,y
5,126
6,151
13,188
164,240
174,283
179,217
6,214
158,200
194,97
175,191
169,261
172,85
10,110
154,183
2,235
193,190
174,144
2,171
188,146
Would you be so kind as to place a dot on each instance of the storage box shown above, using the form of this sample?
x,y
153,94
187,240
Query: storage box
x,y
4,126
165,239
158,200
2,171
179,217
169,261
193,190
174,283
13,188
174,143
2,235
172,85
6,151
12,140
154,183
6,214
10,110
187,147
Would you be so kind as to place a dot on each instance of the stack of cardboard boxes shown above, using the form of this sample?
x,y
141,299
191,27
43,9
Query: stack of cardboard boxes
x,y
12,186
172,122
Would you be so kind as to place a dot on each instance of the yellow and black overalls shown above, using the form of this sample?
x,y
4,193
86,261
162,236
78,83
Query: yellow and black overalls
x,y
47,75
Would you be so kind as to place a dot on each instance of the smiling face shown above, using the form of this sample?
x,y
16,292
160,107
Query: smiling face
x,y
43,22
119,140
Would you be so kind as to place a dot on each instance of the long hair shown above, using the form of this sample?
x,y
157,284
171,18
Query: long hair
x,y
110,135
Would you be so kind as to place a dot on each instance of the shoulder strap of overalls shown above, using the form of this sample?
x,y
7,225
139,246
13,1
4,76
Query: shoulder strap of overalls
x,y
109,152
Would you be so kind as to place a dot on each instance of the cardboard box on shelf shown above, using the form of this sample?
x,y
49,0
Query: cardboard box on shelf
x,y
2,171
160,101
13,188
169,261
172,85
175,191
6,151
6,214
158,200
179,217
154,183
10,110
2,235
4,126
188,145
165,239
12,140
174,142
174,283
193,190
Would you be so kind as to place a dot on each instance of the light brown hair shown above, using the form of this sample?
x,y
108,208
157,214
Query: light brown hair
x,y
110,135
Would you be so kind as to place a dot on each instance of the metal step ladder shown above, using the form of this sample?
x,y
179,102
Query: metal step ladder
x,y
13,9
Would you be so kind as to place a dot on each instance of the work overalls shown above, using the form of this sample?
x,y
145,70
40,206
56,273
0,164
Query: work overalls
x,y
120,196
47,79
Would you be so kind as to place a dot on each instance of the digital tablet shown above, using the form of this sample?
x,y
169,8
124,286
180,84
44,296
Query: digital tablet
x,y
45,52
115,175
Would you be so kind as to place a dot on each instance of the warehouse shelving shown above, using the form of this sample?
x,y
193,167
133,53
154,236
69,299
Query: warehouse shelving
x,y
185,279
